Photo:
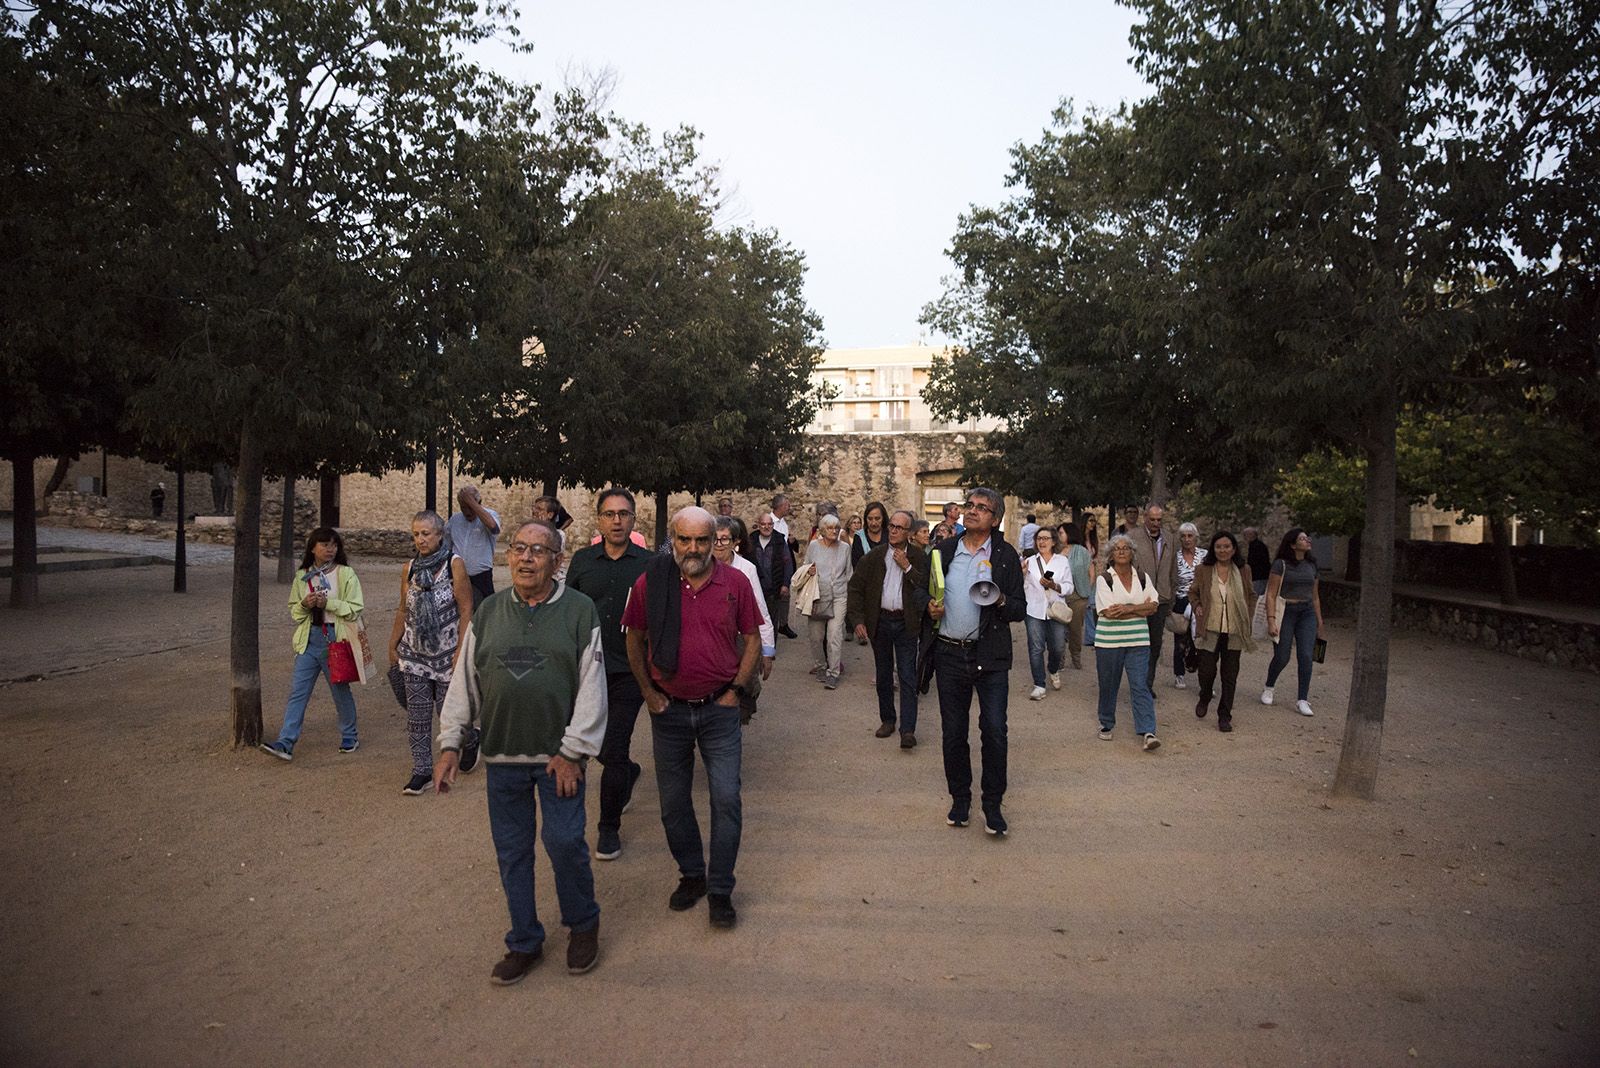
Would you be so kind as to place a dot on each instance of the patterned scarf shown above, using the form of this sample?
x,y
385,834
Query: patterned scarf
x,y
327,583
426,572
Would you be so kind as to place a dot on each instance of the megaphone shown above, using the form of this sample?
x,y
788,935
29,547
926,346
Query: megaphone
x,y
984,591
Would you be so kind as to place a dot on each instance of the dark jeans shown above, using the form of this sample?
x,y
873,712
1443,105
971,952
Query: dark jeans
x,y
959,679
1158,636
482,586
616,779
1299,626
894,648
513,822
1229,659
675,733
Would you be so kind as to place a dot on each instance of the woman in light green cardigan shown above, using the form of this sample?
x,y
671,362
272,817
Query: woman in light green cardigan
x,y
325,604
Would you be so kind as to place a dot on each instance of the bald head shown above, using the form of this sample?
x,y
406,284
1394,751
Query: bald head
x,y
693,531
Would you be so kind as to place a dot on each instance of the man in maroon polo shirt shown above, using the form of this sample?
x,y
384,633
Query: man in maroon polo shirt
x,y
693,645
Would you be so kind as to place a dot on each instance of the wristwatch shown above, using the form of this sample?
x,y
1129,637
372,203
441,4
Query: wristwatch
x,y
739,690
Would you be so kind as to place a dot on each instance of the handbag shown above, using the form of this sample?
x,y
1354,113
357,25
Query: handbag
x,y
1258,621
341,661
1059,611
1177,623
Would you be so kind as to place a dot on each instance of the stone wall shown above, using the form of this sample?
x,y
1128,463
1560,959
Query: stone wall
x,y
1557,642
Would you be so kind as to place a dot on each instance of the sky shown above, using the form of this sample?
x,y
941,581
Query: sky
x,y
860,132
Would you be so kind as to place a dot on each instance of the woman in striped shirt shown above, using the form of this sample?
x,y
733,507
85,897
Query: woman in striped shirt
x,y
1124,598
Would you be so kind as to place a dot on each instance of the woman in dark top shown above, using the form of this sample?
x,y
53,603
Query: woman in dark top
x,y
874,526
1294,613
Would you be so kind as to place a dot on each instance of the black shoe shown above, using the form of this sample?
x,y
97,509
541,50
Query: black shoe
x,y
993,822
1225,724
607,845
583,949
469,750
691,888
960,814
787,631
722,911
1201,707
908,740
418,784
513,966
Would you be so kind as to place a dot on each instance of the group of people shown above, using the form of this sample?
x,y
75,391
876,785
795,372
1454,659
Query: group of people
x,y
536,680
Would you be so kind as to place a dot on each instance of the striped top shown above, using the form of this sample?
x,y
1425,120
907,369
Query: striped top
x,y
1121,633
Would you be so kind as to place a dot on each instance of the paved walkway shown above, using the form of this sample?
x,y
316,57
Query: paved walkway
x,y
105,541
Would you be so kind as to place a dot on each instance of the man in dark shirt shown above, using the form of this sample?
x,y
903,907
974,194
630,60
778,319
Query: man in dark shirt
x,y
606,572
775,566
693,643
1259,558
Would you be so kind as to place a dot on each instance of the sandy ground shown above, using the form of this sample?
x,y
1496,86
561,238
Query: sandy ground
x,y
172,901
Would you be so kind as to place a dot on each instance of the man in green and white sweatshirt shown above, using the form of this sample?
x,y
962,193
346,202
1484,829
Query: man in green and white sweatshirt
x,y
532,674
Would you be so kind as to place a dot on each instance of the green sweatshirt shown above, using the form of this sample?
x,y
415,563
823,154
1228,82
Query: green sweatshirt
x,y
534,679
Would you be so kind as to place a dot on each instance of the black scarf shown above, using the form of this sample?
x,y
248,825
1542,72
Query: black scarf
x,y
663,610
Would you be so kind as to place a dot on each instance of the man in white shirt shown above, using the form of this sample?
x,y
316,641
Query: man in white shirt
x,y
473,531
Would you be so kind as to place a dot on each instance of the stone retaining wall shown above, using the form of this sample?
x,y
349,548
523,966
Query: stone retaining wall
x,y
1557,642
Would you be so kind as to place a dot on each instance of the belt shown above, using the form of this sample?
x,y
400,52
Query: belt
x,y
893,613
959,643
701,702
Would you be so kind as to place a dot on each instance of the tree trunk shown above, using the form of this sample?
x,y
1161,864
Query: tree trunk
x,y
59,475
430,480
244,656
328,498
1369,677
180,546
1352,560
1505,567
24,535
661,517
1158,471
286,534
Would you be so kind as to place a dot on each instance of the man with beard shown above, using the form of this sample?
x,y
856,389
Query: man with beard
x,y
693,644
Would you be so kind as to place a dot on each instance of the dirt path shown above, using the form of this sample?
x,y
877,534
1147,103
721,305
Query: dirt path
x,y
171,901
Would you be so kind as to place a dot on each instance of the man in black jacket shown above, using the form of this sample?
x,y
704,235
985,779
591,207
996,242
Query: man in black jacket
x,y
888,594
973,654
769,551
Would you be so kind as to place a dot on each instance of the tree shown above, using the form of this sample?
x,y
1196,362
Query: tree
x,y
1072,321
305,124
1353,171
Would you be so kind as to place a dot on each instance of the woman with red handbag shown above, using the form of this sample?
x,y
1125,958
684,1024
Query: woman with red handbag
x,y
325,604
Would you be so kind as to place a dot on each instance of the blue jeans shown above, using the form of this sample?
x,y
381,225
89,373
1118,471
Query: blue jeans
x,y
675,733
1111,665
1042,633
307,666
959,678
1299,626
513,821
616,781
894,648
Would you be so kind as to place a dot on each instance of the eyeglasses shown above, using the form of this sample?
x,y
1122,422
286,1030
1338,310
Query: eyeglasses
x,y
723,539
538,552
899,526
615,515
979,506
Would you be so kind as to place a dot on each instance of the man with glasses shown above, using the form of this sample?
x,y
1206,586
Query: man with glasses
x,y
693,643
532,672
775,567
973,654
888,594
606,572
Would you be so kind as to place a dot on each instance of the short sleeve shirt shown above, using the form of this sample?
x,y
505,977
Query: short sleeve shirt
x,y
474,542
709,645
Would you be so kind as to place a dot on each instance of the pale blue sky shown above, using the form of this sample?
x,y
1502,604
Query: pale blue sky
x,y
859,131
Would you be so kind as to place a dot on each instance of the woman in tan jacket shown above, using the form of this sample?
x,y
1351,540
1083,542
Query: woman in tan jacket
x,y
1223,602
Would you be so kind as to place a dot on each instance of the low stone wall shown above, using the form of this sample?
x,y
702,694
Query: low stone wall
x,y
87,512
1557,642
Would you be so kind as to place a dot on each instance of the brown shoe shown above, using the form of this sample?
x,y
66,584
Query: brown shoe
x,y
513,966
583,950
1201,707
884,730
908,740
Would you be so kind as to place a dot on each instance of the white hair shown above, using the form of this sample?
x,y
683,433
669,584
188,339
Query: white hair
x,y
1189,528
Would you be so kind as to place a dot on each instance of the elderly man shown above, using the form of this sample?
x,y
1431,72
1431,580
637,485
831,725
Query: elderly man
x,y
952,515
887,596
724,505
606,572
775,565
693,644
473,531
973,655
1157,556
1259,557
532,672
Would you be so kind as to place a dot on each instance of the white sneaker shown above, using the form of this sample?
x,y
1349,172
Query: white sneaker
x,y
1055,681
1179,682
1303,707
1266,696
1037,694
1151,743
